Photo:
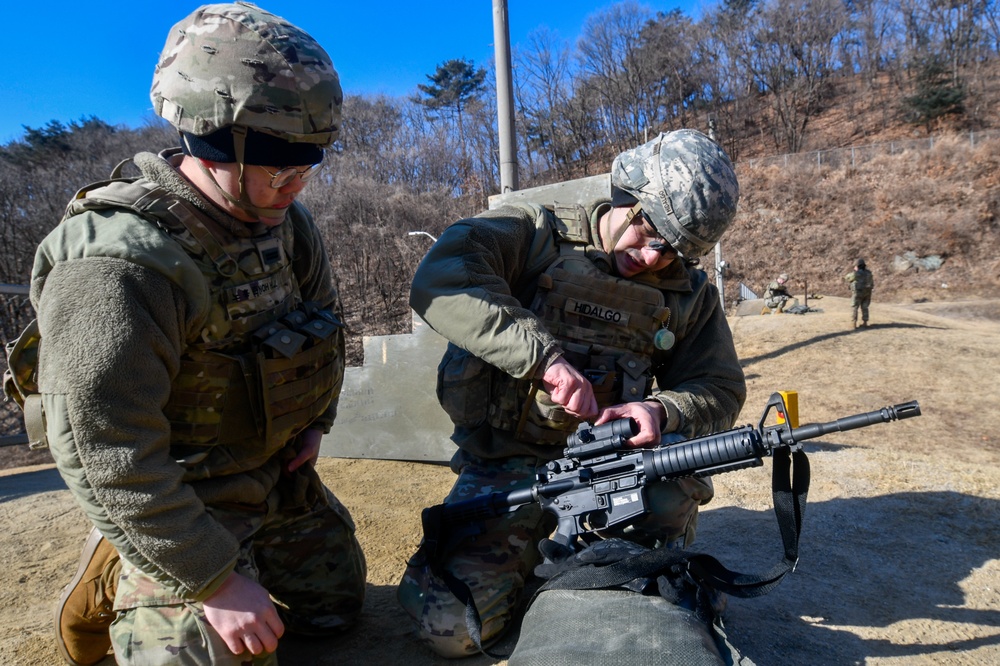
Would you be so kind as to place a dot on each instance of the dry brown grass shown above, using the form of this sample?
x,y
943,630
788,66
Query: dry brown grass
x,y
815,221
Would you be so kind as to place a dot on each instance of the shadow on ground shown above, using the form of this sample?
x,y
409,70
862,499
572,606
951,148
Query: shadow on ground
x,y
31,482
864,563
747,361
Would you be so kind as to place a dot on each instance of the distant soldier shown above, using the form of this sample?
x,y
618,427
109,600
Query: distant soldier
x,y
776,295
862,283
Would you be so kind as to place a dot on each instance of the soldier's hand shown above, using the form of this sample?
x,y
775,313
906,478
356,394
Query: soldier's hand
x,y
243,614
650,416
570,389
308,449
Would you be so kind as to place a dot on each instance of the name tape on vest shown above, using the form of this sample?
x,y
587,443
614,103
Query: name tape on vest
x,y
596,311
255,289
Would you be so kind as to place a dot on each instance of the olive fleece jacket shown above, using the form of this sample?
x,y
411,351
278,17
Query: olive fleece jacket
x,y
117,302
477,282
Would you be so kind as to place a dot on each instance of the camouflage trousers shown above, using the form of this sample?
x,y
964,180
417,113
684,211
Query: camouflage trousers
x,y
497,561
779,303
861,301
307,559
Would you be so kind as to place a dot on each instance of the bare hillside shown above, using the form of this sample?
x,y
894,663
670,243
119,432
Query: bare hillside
x,y
900,562
813,222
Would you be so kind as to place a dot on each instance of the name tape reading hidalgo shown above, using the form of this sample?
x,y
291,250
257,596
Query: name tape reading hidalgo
x,y
597,312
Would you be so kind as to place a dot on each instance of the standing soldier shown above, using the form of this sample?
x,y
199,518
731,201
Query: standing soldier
x,y
862,283
191,359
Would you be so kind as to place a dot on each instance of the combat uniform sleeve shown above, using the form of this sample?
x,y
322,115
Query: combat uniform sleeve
x,y
310,263
701,381
112,333
473,287
311,267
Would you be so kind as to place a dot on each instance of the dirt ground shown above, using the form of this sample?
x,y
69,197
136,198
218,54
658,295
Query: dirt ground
x,y
900,551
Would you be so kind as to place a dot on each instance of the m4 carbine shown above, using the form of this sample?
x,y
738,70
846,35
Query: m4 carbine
x,y
600,483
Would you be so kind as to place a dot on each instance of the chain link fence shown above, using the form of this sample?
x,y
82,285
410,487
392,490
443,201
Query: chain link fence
x,y
840,157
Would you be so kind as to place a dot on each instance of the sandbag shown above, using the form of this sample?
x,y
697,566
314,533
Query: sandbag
x,y
615,627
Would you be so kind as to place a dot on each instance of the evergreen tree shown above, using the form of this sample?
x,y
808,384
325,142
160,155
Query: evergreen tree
x,y
452,86
937,93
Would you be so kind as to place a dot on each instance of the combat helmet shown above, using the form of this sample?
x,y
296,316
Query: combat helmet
x,y
237,65
686,185
243,85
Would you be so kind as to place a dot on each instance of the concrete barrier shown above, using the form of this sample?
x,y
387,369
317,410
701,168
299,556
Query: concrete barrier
x,y
388,407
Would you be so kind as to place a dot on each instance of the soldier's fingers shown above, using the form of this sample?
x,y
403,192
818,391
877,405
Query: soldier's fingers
x,y
304,456
610,414
647,433
565,395
582,404
588,403
276,626
267,640
235,644
252,644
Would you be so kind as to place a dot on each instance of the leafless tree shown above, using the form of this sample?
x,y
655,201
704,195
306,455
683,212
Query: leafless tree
x,y
731,93
872,43
629,94
40,173
669,52
543,87
991,25
952,28
792,52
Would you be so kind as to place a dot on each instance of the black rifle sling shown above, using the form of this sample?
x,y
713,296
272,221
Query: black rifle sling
x,y
473,623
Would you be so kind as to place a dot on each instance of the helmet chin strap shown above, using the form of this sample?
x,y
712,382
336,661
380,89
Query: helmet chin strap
x,y
243,203
629,216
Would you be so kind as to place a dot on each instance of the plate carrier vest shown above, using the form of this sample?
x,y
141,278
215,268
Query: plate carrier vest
x,y
264,365
863,282
606,325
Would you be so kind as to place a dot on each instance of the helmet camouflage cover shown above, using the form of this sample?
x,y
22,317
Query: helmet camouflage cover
x,y
686,185
236,64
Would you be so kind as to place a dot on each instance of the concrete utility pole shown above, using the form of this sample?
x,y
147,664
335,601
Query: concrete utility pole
x,y
505,98
720,269
720,265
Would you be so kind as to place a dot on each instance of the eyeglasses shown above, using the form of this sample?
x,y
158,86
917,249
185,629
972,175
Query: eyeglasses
x,y
636,215
286,175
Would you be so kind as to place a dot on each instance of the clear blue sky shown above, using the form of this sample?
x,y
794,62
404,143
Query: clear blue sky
x,y
67,60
